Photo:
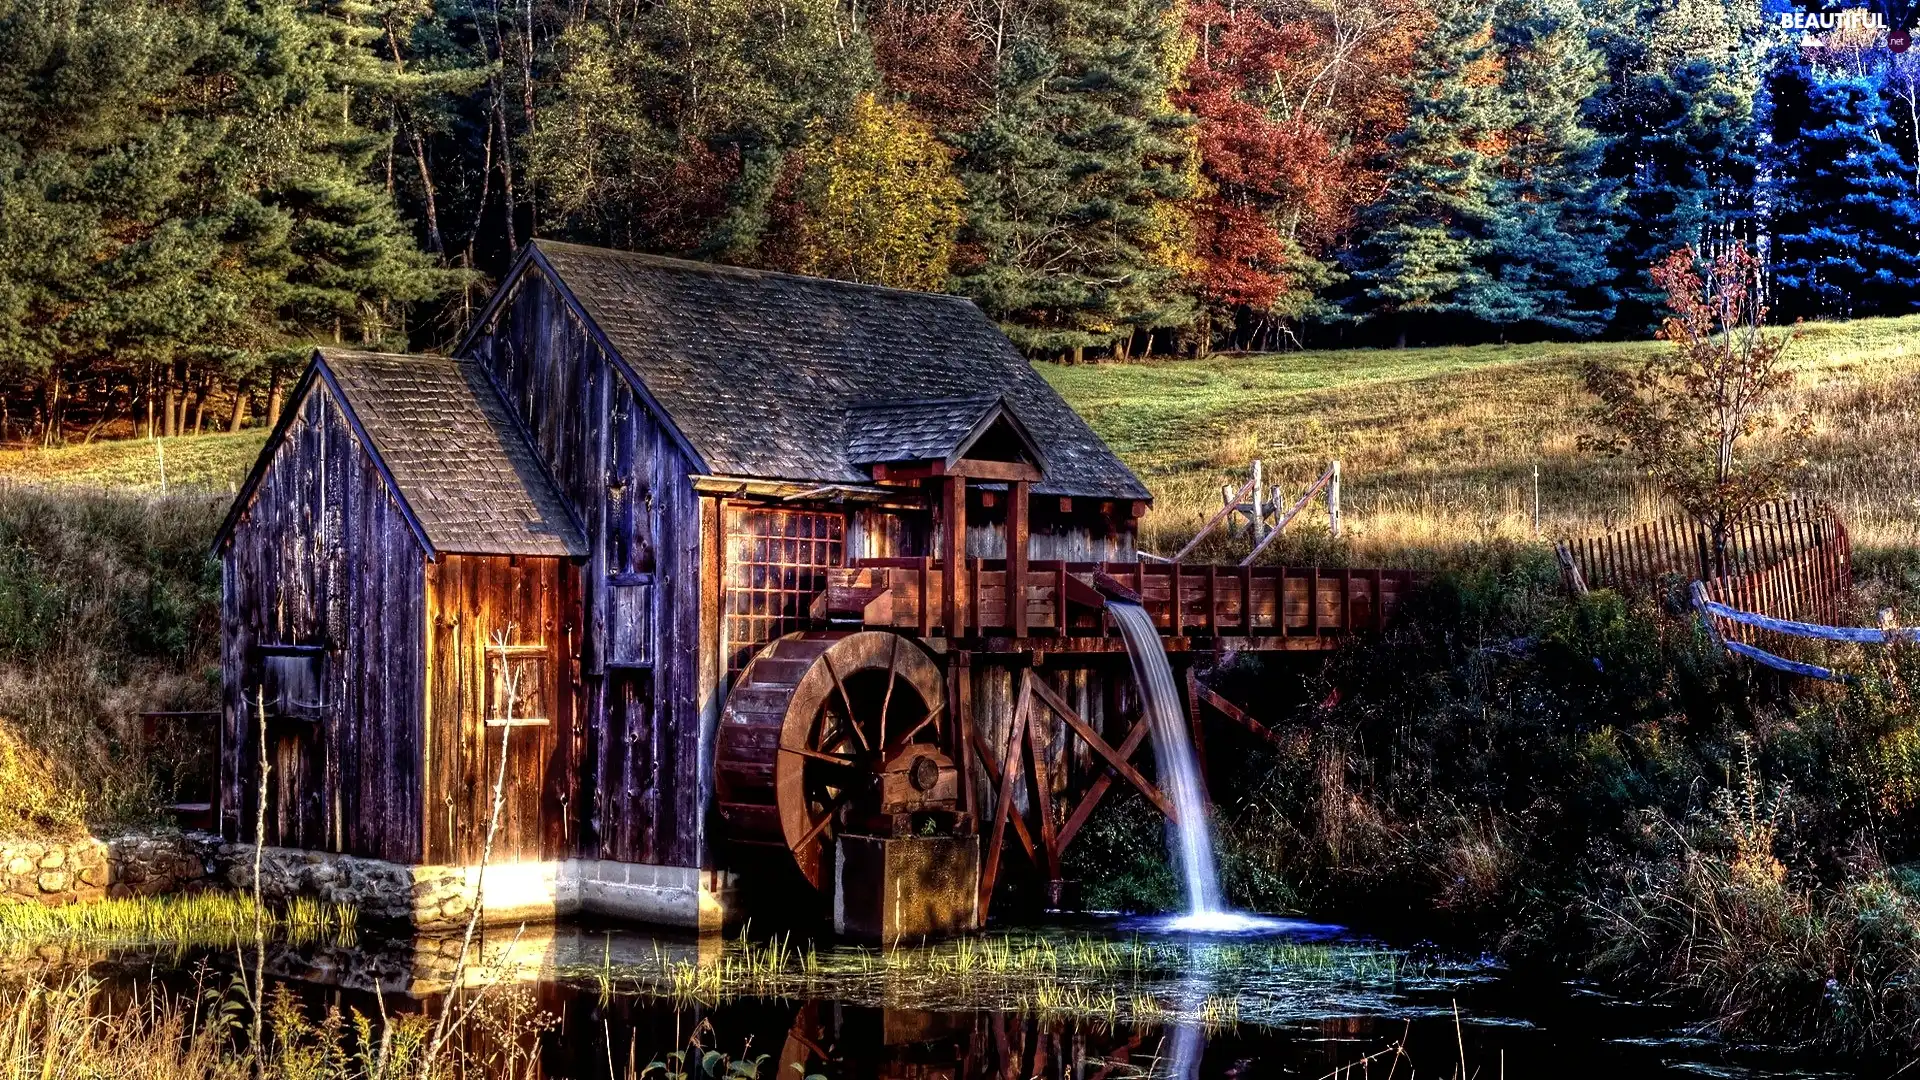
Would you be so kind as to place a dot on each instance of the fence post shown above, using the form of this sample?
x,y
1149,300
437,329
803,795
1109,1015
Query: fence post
x,y
1570,569
1259,519
1333,501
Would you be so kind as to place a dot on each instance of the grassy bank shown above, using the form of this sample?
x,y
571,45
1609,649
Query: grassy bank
x,y
1438,445
211,463
108,608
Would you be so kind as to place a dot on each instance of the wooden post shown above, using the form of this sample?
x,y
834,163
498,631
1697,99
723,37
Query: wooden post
x,y
953,608
1259,519
1017,558
1333,501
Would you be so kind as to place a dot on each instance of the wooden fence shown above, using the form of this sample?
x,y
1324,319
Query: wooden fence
x,y
1791,560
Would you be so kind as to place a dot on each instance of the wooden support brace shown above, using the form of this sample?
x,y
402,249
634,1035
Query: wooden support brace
x,y
1228,709
1100,746
1042,793
1098,789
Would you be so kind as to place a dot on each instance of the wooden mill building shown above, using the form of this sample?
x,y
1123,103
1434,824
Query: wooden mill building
x,y
722,558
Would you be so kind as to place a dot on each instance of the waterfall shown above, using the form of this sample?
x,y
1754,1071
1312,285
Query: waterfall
x,y
1173,753
1191,836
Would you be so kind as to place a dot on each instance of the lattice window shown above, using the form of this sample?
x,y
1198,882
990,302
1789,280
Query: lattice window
x,y
777,562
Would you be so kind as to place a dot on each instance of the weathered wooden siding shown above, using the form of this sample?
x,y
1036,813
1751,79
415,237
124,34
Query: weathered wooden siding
x,y
324,558
640,735
475,605
1087,532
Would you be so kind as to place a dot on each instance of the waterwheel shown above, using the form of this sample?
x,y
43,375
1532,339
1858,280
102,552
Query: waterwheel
x,y
829,732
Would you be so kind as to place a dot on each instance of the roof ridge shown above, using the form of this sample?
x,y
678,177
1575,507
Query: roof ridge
x,y
674,262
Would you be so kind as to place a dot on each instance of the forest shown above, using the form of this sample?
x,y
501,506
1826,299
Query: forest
x,y
193,192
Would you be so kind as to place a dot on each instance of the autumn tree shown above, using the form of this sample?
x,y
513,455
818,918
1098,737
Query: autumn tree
x,y
1706,418
878,201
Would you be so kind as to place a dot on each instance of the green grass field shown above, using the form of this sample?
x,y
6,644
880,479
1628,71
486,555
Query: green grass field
x,y
184,463
1437,446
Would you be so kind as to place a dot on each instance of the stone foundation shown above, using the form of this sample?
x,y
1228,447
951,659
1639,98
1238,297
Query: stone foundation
x,y
429,897
442,897
79,871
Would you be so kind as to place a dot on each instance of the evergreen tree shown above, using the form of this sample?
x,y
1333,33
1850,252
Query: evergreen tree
x,y
186,198
1548,244
1425,243
1845,221
1691,162
1070,178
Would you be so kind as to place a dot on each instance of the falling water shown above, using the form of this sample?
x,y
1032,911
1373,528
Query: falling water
x,y
1179,771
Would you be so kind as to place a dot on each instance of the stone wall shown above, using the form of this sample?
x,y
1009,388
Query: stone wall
x,y
53,871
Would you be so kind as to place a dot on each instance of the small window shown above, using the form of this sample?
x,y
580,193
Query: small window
x,y
517,686
293,681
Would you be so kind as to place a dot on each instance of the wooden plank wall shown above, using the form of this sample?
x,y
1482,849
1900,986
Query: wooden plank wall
x,y
641,736
470,600
324,557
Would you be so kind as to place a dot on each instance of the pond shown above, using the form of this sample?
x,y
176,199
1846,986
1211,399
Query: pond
x,y
1090,1000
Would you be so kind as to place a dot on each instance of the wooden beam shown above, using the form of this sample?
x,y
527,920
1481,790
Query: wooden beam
x,y
1231,711
1017,544
954,555
1100,746
1042,793
1020,830
994,470
1101,783
990,874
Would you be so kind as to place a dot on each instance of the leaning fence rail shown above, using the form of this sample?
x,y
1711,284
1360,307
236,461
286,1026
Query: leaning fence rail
x,y
1728,624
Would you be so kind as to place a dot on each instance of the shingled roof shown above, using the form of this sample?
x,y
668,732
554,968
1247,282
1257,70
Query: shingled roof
x,y
462,468
937,430
760,372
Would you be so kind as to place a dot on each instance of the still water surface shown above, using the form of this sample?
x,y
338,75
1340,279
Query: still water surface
x,y
1098,1000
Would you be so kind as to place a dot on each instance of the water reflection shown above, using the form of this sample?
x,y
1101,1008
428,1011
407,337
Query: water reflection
x,y
591,1004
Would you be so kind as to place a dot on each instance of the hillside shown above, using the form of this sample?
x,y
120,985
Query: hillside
x,y
1437,445
214,463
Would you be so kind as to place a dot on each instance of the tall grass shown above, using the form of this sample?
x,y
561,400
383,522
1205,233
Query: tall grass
x,y
108,608
78,1029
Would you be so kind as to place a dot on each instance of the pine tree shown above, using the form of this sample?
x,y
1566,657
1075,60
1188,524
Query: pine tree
x,y
112,208
1846,223
1691,160
1421,261
1070,178
1555,223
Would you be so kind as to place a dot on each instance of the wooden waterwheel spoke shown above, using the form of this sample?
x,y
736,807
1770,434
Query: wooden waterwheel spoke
x,y
933,715
826,818
846,702
886,702
819,755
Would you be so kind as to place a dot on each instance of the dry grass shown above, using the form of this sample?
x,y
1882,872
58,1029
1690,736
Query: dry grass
x,y
1438,445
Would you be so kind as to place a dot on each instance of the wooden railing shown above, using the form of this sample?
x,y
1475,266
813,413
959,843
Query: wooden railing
x,y
1267,606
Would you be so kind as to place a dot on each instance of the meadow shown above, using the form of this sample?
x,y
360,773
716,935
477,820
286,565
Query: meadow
x,y
1438,446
